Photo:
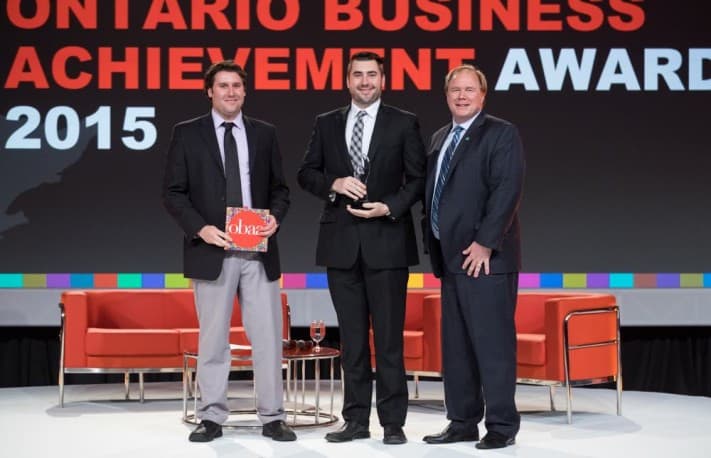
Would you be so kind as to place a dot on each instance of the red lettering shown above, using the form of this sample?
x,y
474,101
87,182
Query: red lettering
x,y
464,14
172,15
242,15
153,68
634,13
121,14
240,57
83,10
508,15
419,73
108,67
593,14
454,56
342,16
14,13
264,67
398,22
26,68
177,67
291,14
308,69
214,11
59,67
536,22
442,16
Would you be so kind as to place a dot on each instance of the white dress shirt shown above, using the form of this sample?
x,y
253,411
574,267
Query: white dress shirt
x,y
465,125
240,136
368,124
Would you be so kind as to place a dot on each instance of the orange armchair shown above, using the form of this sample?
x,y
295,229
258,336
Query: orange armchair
x,y
568,339
135,331
421,336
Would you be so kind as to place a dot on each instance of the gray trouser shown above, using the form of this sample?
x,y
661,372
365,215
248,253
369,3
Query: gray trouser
x,y
260,303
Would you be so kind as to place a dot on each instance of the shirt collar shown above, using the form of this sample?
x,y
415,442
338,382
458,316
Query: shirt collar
x,y
372,109
466,124
217,120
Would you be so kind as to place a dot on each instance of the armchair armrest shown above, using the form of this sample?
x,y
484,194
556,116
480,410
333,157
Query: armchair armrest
x,y
75,321
582,329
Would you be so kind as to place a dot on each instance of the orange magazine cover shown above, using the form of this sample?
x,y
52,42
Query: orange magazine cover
x,y
241,225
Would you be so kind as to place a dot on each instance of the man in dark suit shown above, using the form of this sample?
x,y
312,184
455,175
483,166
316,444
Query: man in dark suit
x,y
475,174
218,160
367,250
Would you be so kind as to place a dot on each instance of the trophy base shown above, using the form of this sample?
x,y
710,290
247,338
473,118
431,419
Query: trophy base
x,y
358,204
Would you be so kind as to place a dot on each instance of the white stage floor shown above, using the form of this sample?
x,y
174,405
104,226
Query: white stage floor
x,y
96,423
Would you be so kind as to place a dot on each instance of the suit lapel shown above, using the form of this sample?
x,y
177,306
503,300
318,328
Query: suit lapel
x,y
251,134
207,131
437,140
469,138
340,131
382,121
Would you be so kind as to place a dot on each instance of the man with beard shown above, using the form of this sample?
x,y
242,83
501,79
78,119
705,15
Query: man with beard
x,y
366,162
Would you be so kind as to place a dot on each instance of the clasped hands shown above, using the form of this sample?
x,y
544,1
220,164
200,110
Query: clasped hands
x,y
214,236
355,189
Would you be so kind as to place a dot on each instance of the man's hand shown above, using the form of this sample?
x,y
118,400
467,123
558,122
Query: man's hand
x,y
350,187
212,235
477,256
270,228
370,210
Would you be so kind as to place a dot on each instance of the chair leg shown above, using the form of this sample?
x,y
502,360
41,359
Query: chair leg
x,y
619,394
551,393
417,386
569,403
61,388
126,381
141,394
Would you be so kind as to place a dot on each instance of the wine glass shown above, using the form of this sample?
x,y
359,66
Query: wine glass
x,y
318,332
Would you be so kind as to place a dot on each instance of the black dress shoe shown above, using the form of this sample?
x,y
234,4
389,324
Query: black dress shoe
x,y
453,434
393,435
350,431
205,432
495,440
278,431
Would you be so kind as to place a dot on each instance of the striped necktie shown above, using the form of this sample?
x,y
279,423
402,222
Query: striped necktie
x,y
442,179
355,151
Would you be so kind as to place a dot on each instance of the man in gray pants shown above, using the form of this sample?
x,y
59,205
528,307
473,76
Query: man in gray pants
x,y
218,160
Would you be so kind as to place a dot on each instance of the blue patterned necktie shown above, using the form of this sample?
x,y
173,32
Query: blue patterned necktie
x,y
355,151
442,178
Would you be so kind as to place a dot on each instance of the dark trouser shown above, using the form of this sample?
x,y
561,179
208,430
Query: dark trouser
x,y
360,295
479,350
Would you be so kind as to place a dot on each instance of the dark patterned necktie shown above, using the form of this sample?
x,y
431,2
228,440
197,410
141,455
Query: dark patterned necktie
x,y
355,151
233,193
442,178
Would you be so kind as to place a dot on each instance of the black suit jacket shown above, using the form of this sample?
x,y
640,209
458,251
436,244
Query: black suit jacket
x,y
481,196
397,178
194,190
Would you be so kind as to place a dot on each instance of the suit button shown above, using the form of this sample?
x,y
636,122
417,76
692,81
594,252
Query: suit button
x,y
222,198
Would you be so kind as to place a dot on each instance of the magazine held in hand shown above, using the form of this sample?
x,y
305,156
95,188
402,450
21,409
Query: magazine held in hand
x,y
241,225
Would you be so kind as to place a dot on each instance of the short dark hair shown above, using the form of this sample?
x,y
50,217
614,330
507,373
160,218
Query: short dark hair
x,y
367,55
224,66
463,68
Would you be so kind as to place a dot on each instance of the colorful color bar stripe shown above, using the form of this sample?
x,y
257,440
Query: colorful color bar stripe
x,y
318,280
